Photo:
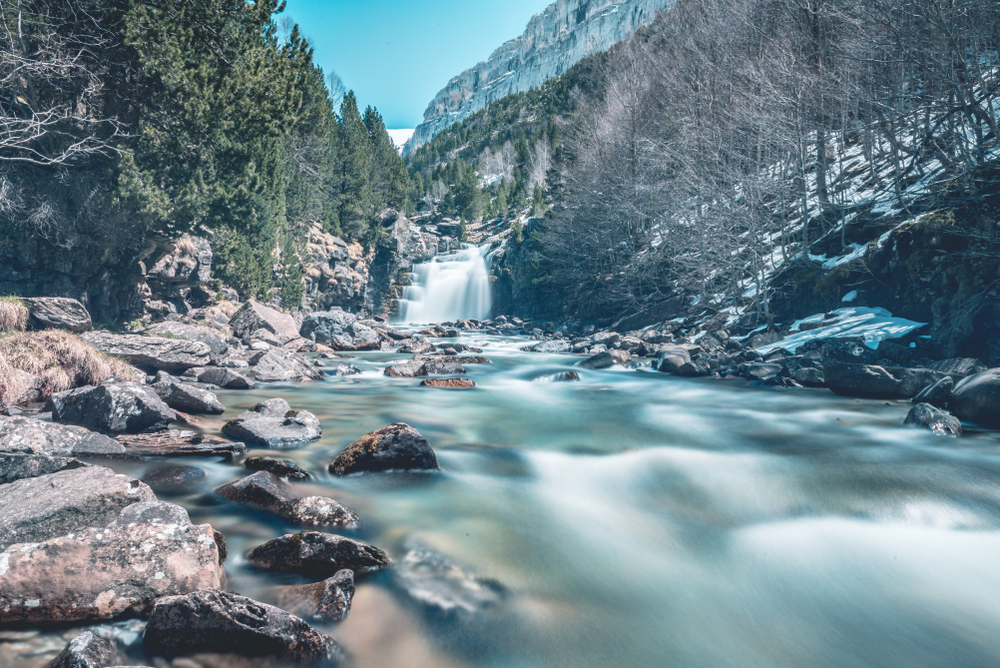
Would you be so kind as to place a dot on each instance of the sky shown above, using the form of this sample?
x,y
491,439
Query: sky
x,y
397,54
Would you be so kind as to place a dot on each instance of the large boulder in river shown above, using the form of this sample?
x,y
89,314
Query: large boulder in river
x,y
397,446
214,339
36,509
159,352
57,313
938,421
28,435
326,601
217,622
188,398
318,555
876,382
274,424
254,316
278,364
977,398
115,408
340,330
104,573
268,492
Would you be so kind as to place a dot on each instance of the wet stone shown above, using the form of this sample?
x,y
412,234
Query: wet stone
x,y
175,479
397,446
449,383
283,468
316,554
18,466
274,424
328,601
86,651
267,491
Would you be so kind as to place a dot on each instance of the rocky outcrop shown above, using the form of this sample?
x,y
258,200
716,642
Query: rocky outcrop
x,y
58,313
402,245
316,554
395,447
157,352
340,330
327,601
553,41
222,623
114,408
876,382
225,378
178,277
336,274
274,424
268,492
606,360
28,435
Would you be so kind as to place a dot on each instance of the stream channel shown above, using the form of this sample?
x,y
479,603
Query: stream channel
x,y
635,519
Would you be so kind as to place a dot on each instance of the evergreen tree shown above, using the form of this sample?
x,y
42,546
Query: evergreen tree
x,y
356,199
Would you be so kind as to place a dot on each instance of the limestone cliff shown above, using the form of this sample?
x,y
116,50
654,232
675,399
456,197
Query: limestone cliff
x,y
554,41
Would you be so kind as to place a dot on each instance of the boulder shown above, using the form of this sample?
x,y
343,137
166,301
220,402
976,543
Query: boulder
x,y
274,424
318,555
347,369
213,338
225,378
158,352
672,358
691,370
449,383
278,364
113,407
268,492
253,316
876,382
416,346
28,435
443,368
850,350
18,466
411,369
152,512
326,601
175,479
188,398
977,398
606,360
397,446
936,394
444,588
104,573
958,367
332,328
556,346
809,377
284,468
36,509
214,621
179,443
938,421
57,313
559,377
86,651
763,370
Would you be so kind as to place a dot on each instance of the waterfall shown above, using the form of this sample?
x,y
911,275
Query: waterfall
x,y
450,287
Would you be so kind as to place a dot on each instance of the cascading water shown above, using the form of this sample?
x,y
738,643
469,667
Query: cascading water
x,y
450,287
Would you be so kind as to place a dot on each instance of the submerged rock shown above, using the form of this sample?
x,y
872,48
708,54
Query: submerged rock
x,y
977,398
86,651
559,377
219,622
114,408
274,424
328,601
28,435
938,421
397,446
316,554
267,491
444,588
174,479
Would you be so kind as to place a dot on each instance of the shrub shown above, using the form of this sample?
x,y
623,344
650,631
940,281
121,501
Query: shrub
x,y
13,315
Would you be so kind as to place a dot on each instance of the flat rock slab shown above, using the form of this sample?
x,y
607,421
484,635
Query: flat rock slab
x,y
327,601
18,466
214,339
159,352
96,574
267,491
316,554
213,621
397,446
449,383
274,424
188,398
179,443
278,364
114,408
58,313
36,509
254,316
28,435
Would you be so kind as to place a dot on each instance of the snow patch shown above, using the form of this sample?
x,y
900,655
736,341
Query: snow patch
x,y
872,324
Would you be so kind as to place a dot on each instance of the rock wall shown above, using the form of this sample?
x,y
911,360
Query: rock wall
x,y
555,40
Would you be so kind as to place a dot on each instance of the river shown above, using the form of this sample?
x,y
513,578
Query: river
x,y
636,519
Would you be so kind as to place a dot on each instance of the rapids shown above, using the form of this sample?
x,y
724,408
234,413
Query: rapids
x,y
641,520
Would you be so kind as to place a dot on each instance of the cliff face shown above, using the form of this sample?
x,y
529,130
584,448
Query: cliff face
x,y
554,41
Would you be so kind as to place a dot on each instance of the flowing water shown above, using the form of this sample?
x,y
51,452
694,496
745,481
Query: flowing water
x,y
636,519
452,286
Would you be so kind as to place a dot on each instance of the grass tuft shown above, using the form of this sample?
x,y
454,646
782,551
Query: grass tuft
x,y
13,315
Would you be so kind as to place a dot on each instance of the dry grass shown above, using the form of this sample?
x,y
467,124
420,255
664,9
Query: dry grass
x,y
60,359
13,315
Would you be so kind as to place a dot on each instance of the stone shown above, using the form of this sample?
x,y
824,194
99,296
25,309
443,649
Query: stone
x,y
152,512
606,360
977,398
809,377
415,346
274,424
347,369
284,468
556,346
318,555
105,573
876,382
188,398
158,352
36,509
57,313
278,364
179,443
444,588
268,492
443,368
326,601
18,466
397,446
763,371
332,328
174,479
30,435
253,316
691,370
216,341
939,421
411,369
218,622
114,408
850,350
86,651
958,367
225,378
672,358
936,394
559,377
449,383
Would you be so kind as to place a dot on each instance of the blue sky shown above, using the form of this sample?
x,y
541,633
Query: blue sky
x,y
397,54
